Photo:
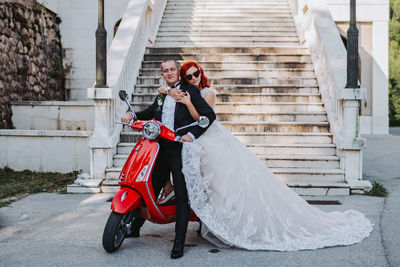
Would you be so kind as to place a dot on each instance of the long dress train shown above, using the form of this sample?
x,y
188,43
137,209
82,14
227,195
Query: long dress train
x,y
243,204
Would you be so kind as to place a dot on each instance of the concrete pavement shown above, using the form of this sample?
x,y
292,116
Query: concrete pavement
x,y
66,230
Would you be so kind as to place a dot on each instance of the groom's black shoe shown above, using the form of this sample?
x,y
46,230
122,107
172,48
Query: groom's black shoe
x,y
177,250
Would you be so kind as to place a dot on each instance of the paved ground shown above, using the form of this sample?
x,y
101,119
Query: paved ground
x,y
65,230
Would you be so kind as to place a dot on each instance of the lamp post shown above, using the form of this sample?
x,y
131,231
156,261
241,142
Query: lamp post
x,y
101,49
351,96
352,49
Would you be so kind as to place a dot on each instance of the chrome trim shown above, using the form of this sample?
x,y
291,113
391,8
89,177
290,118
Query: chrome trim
x,y
151,123
147,184
124,195
154,204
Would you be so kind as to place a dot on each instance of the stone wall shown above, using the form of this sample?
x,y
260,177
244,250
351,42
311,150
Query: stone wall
x,y
30,56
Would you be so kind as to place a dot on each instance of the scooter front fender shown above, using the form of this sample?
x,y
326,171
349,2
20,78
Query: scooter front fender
x,y
126,200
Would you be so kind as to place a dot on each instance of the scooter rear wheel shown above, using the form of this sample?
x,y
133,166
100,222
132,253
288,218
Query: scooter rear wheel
x,y
114,232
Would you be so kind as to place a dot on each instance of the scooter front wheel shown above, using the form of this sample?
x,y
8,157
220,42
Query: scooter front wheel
x,y
115,231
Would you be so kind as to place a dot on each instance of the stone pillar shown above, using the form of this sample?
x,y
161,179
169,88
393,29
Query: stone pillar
x,y
100,143
352,145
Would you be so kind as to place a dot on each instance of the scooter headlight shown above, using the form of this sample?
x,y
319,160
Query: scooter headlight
x,y
151,130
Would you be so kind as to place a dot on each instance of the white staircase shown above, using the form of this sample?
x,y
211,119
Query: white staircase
x,y
267,92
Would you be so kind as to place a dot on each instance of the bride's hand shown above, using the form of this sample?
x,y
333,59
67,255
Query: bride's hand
x,y
185,98
176,94
186,138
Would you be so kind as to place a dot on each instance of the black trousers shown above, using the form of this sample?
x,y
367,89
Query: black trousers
x,y
170,160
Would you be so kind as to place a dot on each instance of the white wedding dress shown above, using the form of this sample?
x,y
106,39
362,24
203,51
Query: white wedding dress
x,y
241,203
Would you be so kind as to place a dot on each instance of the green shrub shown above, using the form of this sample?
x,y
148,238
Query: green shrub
x,y
378,190
394,63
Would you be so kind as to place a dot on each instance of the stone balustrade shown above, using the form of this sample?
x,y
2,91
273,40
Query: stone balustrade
x,y
318,30
138,29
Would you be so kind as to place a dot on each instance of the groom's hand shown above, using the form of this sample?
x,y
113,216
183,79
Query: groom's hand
x,y
186,138
127,117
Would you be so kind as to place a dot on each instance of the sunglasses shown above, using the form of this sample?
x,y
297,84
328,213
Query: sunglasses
x,y
190,76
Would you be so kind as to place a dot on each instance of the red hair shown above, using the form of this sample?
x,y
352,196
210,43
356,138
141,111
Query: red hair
x,y
187,65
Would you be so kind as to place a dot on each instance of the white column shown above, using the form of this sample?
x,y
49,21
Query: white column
x,y
350,149
380,74
100,143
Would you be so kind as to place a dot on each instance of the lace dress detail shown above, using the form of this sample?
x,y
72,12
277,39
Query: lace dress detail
x,y
242,203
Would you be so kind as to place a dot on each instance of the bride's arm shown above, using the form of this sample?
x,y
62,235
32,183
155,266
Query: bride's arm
x,y
188,103
209,98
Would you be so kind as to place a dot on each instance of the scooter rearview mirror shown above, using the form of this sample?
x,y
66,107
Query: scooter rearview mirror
x,y
203,121
122,94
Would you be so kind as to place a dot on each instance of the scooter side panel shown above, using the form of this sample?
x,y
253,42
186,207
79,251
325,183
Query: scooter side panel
x,y
142,155
126,200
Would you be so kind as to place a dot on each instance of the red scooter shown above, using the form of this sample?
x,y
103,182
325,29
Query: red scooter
x,y
136,196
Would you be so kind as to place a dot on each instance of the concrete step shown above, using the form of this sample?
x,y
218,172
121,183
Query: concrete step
x,y
223,2
267,149
320,188
130,136
209,51
291,149
267,22
291,175
217,6
300,161
222,80
267,126
225,8
230,57
213,34
272,117
232,28
222,44
230,23
239,65
314,127
258,137
209,40
227,18
246,97
253,73
284,138
229,38
240,12
301,188
293,162
254,107
234,88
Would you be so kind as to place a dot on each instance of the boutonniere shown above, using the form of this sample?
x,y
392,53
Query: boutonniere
x,y
160,101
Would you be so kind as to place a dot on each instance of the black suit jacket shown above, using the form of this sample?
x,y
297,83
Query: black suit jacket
x,y
182,114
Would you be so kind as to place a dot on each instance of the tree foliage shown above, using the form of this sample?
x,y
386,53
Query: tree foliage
x,y
394,63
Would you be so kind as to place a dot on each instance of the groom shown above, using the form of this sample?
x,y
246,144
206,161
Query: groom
x,y
173,115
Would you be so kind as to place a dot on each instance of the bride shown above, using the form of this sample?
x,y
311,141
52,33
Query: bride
x,y
242,203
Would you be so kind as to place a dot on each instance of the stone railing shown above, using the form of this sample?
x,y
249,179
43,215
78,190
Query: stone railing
x,y
138,29
318,30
